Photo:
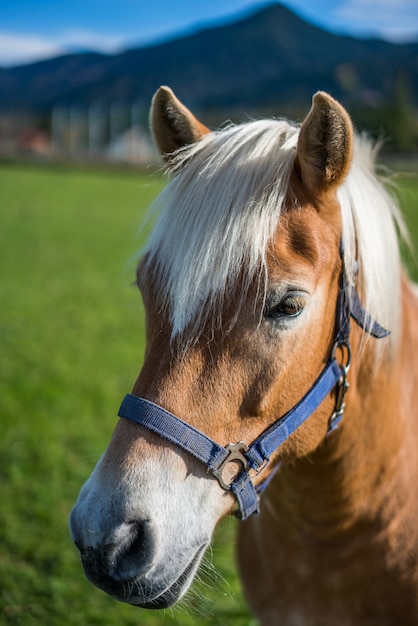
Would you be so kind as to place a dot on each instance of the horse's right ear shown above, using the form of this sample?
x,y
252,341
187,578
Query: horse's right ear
x,y
172,124
325,145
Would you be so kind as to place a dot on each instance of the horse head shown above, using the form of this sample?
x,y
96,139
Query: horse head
x,y
240,282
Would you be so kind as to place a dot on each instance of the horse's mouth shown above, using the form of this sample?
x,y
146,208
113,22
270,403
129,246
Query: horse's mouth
x,y
145,592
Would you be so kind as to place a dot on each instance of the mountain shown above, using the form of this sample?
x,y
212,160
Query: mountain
x,y
269,60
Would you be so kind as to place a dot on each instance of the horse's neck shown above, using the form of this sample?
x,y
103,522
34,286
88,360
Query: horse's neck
x,y
337,540
362,473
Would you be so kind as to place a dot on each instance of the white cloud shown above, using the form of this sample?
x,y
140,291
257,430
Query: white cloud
x,y
396,20
16,48
91,40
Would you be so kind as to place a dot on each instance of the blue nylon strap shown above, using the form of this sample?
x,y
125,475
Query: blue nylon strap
x,y
268,442
349,305
360,316
246,495
171,427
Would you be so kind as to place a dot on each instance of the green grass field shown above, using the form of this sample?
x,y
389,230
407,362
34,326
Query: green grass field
x,y
72,341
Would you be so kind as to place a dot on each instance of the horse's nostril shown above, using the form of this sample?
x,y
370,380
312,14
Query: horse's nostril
x,y
134,552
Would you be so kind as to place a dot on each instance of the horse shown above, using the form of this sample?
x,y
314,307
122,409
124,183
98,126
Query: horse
x,y
279,383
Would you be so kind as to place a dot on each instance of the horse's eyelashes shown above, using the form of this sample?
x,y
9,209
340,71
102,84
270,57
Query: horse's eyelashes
x,y
291,305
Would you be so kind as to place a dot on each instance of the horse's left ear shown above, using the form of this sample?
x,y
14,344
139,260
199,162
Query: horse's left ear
x,y
172,124
325,145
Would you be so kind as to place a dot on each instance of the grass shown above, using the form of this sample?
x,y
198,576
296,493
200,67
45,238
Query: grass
x,y
72,339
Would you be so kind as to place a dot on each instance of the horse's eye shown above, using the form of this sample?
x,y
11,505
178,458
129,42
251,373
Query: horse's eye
x,y
290,306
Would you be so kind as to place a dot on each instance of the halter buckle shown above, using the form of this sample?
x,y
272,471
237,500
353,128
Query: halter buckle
x,y
342,388
236,453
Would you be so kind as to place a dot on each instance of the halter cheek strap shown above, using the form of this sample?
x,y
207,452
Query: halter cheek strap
x,y
254,457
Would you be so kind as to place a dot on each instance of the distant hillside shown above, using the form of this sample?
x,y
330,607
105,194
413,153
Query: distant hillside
x,y
270,60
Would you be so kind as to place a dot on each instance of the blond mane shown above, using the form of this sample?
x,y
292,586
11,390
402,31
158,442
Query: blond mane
x,y
223,206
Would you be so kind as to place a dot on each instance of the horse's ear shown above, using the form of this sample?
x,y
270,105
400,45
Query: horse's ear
x,y
172,124
325,145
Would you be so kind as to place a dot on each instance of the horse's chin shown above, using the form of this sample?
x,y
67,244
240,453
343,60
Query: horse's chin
x,y
176,590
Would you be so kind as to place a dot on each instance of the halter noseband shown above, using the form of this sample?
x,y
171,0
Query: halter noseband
x,y
255,457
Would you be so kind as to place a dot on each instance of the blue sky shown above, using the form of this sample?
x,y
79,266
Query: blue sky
x,y
33,29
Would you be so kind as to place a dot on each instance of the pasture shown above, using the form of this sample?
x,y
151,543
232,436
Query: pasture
x,y
72,340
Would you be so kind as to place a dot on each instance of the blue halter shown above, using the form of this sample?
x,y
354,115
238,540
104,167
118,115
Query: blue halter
x,y
255,456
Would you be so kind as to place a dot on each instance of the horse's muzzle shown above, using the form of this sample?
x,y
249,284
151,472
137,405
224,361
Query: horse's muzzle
x,y
125,565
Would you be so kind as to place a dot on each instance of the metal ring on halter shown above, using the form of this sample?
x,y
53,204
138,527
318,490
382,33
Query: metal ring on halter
x,y
341,387
343,347
236,453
